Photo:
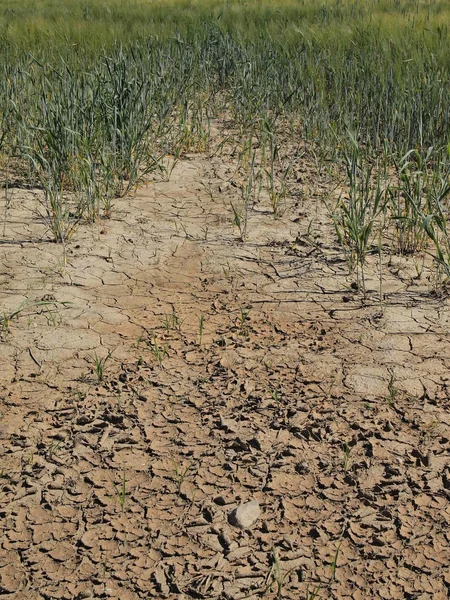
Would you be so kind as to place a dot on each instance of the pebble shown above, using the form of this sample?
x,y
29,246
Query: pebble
x,y
246,514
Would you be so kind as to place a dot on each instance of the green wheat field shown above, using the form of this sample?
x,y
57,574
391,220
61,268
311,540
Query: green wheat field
x,y
93,96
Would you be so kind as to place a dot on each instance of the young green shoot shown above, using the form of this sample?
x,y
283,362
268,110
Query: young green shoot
x,y
100,364
159,352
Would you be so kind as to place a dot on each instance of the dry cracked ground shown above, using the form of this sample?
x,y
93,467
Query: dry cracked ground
x,y
168,373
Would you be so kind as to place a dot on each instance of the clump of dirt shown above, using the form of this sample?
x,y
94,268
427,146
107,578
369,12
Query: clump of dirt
x,y
169,373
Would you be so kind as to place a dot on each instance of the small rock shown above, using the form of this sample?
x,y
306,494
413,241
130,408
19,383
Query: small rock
x,y
246,515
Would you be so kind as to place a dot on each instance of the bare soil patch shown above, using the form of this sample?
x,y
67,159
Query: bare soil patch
x,y
238,372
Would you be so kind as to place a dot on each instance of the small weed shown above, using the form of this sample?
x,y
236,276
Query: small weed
x,y
244,320
314,592
99,364
159,352
276,576
172,322
334,561
346,449
226,269
6,318
53,448
276,573
180,475
276,185
240,214
355,217
392,388
27,460
4,323
140,340
53,317
239,221
276,396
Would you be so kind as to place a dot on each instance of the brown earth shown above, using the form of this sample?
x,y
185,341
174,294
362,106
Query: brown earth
x,y
330,410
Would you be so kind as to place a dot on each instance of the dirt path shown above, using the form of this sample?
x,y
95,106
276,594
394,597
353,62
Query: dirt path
x,y
238,372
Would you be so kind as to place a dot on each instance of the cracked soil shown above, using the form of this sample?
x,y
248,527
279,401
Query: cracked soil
x,y
237,372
